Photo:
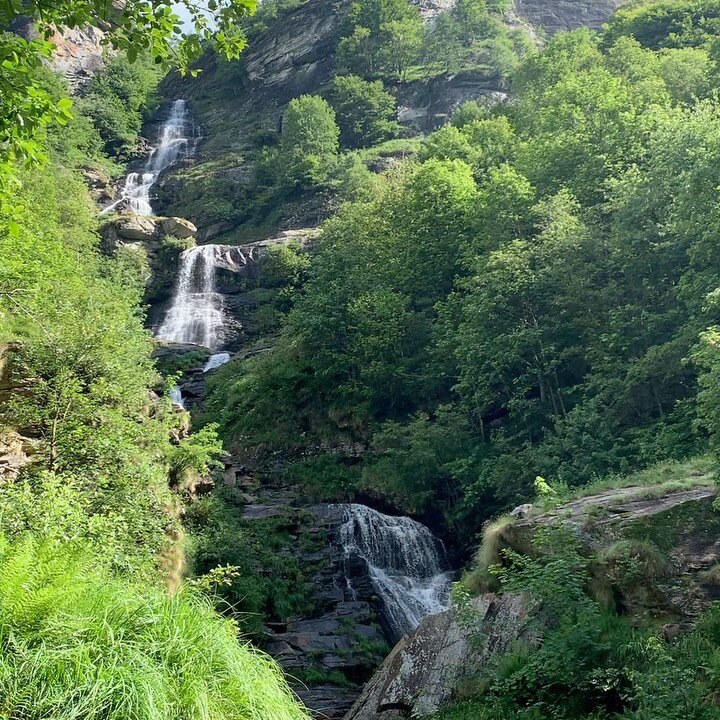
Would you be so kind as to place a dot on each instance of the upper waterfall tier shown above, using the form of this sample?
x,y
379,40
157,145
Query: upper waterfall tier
x,y
177,139
406,563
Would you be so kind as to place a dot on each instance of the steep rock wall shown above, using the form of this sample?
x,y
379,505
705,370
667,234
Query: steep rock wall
x,y
554,15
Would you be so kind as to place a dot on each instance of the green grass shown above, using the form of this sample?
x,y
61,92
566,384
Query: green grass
x,y
79,644
409,145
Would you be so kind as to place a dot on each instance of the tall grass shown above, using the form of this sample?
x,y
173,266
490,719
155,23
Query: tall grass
x,y
79,644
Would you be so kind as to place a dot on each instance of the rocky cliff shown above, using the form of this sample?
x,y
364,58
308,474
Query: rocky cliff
x,y
79,51
554,15
239,106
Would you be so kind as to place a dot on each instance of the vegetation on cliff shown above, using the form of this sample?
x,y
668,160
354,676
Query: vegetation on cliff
x,y
528,297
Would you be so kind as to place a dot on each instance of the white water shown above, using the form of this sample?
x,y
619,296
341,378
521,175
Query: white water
x,y
176,396
176,140
406,562
196,314
216,360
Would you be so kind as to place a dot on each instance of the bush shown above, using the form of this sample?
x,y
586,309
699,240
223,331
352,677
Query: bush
x,y
79,643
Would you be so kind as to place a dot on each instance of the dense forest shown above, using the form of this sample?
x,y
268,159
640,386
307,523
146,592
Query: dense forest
x,y
517,306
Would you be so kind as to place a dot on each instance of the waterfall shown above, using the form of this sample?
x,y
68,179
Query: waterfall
x,y
196,314
216,360
176,396
176,140
406,563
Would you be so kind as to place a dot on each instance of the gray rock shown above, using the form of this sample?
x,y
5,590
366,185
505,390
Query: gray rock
x,y
178,227
424,669
136,227
554,15
522,511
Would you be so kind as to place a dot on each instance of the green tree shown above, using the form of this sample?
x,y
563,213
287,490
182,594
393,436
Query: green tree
x,y
383,38
365,111
309,140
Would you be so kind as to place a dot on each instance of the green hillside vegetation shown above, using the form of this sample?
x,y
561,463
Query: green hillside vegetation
x,y
530,296
97,621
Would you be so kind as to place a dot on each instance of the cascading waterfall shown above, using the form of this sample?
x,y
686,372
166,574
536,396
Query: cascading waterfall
x,y
176,140
406,563
196,314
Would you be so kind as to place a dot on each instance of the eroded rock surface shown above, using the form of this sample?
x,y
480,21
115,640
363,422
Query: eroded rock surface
x,y
554,15
425,669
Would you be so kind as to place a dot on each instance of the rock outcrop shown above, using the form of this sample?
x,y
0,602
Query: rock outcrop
x,y
678,530
554,15
79,53
144,228
426,668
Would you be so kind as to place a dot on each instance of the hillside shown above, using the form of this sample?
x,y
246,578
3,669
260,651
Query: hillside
x,y
359,360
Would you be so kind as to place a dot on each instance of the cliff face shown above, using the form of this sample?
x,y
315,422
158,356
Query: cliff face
x,y
239,106
554,15
78,50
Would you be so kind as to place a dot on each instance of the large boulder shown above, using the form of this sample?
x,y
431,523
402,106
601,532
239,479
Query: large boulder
x,y
426,668
178,227
136,227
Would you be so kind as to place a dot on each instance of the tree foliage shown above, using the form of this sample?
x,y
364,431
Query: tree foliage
x,y
535,285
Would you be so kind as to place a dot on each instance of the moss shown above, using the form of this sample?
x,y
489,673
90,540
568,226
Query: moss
x,y
666,529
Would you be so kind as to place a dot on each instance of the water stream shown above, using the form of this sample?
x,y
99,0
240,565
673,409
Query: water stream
x,y
177,139
406,563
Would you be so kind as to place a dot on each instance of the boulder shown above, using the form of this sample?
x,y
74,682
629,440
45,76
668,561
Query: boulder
x,y
178,227
426,668
136,227
15,454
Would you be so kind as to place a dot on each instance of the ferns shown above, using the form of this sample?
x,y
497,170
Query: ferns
x,y
79,644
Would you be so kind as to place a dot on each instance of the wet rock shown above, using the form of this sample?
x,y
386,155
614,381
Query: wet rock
x,y
329,702
424,669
